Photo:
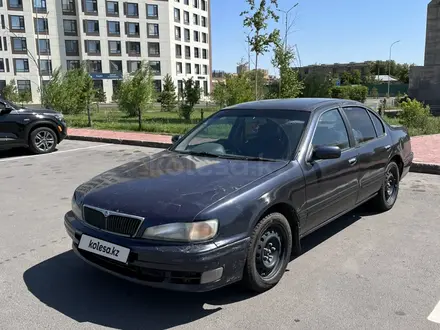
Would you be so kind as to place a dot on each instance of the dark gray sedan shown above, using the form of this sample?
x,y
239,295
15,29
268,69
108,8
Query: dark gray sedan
x,y
232,199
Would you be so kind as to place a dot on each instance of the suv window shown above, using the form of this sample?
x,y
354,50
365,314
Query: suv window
x,y
380,129
331,131
363,129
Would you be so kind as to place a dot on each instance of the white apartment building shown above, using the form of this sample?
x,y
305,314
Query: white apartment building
x,y
113,36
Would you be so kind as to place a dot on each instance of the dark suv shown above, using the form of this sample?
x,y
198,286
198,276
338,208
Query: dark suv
x,y
40,130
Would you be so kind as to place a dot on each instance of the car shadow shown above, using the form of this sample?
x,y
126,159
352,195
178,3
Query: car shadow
x,y
17,152
85,294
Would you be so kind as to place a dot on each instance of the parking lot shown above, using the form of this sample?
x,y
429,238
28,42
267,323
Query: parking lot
x,y
364,271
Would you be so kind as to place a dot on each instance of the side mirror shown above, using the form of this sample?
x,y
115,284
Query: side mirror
x,y
175,138
326,152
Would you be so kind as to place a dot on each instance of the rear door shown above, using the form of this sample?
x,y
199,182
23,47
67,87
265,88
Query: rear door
x,y
373,146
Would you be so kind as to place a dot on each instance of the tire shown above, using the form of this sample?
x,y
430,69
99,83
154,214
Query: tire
x,y
387,195
42,140
270,246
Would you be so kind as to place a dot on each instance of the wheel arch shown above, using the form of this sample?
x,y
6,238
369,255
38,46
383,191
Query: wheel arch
x,y
398,160
45,123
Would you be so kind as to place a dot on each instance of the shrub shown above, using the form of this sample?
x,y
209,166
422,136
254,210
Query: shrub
x,y
414,114
356,93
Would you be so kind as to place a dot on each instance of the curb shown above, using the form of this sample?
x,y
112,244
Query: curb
x,y
425,168
139,143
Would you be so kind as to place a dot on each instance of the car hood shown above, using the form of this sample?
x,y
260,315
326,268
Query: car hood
x,y
169,186
36,111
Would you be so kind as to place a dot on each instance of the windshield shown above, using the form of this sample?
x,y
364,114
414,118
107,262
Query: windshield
x,y
249,134
13,105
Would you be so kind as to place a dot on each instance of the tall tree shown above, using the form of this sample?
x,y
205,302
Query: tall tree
x,y
190,97
234,90
257,19
136,92
168,97
291,86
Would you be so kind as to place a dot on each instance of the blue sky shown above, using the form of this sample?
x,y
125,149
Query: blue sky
x,y
329,31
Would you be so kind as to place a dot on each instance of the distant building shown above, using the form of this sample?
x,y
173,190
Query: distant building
x,y
241,68
336,68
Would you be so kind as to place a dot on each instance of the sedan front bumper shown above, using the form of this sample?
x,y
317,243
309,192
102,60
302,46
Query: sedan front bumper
x,y
176,267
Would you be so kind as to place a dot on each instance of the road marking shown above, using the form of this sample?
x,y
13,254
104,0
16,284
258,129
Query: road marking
x,y
54,153
435,314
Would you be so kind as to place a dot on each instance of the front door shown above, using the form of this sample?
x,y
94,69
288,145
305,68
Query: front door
x,y
9,128
331,185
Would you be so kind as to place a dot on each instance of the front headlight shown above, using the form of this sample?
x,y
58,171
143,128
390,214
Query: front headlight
x,y
76,209
184,232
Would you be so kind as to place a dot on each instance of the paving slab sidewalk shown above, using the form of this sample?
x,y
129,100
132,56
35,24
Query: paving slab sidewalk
x,y
426,148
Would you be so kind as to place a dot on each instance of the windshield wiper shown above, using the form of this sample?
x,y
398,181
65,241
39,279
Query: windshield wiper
x,y
201,153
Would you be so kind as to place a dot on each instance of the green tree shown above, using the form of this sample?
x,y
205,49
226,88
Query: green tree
x,y
10,91
190,97
289,85
136,92
168,97
356,77
234,90
318,85
402,73
24,97
257,19
346,78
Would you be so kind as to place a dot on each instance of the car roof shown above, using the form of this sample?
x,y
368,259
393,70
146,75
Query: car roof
x,y
298,104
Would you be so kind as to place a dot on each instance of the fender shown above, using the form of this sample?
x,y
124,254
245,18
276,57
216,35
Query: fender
x,y
38,123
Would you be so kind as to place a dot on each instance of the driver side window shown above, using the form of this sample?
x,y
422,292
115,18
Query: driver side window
x,y
331,131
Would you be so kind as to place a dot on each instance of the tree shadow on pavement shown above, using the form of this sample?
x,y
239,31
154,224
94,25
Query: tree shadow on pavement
x,y
86,294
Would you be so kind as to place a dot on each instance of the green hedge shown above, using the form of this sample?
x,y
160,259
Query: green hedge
x,y
356,93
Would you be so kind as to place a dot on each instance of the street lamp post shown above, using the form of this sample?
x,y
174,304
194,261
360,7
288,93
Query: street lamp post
x,y
389,67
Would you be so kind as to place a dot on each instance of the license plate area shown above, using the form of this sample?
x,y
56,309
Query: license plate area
x,y
104,248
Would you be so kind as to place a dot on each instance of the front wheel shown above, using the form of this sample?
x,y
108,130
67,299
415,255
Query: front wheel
x,y
269,253
42,140
387,196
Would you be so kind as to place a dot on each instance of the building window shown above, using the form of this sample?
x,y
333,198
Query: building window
x,y
204,7
132,66
188,68
186,17
205,88
15,4
92,47
133,48
152,11
112,8
113,28
179,68
177,33
177,15
91,27
98,84
196,36
116,67
43,46
153,49
68,7
2,68
72,48
205,54
179,87
205,69
155,67
16,23
204,23
73,64
186,2
19,45
39,6
131,9
70,28
23,86
187,52
158,86
21,65
153,30
46,67
114,47
196,3
41,25
94,66
204,38
197,69
195,19
187,35
132,29
178,51
91,6
196,52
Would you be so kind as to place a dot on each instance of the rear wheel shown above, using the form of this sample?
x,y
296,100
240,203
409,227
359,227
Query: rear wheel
x,y
42,140
269,253
387,196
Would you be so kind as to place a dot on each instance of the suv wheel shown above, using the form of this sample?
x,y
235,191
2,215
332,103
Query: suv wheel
x,y
43,140
269,253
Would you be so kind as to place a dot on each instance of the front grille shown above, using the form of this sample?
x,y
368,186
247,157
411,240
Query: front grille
x,y
113,223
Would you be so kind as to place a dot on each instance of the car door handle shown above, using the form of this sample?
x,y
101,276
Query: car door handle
x,y
387,147
352,161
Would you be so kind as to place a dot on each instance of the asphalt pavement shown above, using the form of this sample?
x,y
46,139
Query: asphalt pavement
x,y
363,271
